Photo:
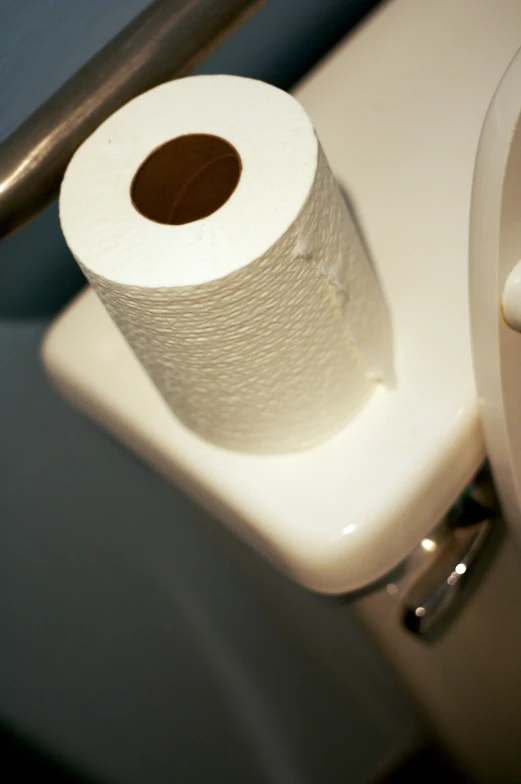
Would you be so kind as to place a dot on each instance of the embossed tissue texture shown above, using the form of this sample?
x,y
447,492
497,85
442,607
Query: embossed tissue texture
x,y
265,359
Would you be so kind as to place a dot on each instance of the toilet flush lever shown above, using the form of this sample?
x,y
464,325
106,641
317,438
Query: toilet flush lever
x,y
435,597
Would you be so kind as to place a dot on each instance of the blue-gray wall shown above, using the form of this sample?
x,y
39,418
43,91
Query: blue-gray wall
x,y
138,641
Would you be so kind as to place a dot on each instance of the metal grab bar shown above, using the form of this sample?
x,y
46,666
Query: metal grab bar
x,y
167,39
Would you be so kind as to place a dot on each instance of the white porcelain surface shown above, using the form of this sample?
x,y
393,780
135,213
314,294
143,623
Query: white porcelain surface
x,y
495,286
511,300
398,108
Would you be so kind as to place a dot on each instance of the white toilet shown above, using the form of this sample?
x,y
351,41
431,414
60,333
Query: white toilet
x,y
399,108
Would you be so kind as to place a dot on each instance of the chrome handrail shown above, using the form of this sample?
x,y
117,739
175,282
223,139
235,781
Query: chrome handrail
x,y
166,40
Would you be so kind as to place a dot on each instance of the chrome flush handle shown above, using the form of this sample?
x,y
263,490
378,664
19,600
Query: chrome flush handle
x,y
432,601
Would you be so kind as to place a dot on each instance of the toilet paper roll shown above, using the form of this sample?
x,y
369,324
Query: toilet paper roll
x,y
206,218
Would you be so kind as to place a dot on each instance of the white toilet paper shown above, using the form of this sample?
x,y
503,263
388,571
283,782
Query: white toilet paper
x,y
254,310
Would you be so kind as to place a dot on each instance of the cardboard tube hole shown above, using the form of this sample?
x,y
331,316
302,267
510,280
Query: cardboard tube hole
x,y
186,179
